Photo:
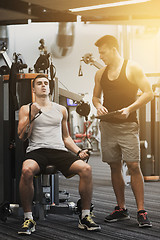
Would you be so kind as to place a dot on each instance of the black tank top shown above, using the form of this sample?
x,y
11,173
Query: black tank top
x,y
118,93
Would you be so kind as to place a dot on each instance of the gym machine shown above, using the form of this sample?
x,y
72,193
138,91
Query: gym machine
x,y
12,152
149,116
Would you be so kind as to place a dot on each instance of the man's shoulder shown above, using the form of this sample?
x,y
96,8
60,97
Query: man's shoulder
x,y
132,65
23,111
59,106
24,107
134,71
100,72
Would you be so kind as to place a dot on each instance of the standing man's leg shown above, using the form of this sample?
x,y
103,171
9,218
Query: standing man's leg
x,y
120,212
137,184
118,183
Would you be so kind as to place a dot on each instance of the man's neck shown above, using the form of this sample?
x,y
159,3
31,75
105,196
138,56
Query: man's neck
x,y
116,63
115,68
43,102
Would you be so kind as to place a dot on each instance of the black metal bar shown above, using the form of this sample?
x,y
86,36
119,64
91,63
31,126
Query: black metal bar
x,y
1,141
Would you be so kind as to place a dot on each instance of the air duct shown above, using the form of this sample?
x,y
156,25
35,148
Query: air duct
x,y
4,69
64,40
4,35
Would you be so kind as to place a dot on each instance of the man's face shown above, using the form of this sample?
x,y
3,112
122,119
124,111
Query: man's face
x,y
106,54
41,87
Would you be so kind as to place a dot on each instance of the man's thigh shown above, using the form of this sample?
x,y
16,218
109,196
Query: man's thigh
x,y
110,150
63,160
39,156
130,143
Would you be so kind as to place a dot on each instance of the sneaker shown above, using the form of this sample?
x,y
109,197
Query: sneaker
x,y
117,215
142,218
27,227
88,223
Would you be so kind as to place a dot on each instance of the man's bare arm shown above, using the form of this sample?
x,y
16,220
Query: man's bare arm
x,y
68,141
24,125
97,92
136,76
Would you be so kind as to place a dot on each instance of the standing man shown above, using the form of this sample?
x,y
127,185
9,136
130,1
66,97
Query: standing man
x,y
45,125
119,82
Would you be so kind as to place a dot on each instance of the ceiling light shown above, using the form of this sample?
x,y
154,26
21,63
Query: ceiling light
x,y
116,4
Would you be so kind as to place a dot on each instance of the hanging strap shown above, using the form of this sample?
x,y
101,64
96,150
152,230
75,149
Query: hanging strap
x,y
30,112
30,121
37,115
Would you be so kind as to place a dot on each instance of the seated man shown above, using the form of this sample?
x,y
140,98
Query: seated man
x,y
45,124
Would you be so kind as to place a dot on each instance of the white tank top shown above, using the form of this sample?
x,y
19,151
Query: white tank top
x,y
47,130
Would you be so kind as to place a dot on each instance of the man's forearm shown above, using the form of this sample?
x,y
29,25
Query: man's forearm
x,y
26,130
141,101
96,102
70,144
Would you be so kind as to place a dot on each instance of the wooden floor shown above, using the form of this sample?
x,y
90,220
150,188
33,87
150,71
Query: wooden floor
x,y
65,226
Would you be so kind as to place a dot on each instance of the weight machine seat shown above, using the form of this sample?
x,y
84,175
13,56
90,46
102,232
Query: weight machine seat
x,y
50,169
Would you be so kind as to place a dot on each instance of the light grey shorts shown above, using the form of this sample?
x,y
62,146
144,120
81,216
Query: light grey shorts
x,y
120,142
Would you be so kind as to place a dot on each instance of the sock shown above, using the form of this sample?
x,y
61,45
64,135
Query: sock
x,y
28,215
85,212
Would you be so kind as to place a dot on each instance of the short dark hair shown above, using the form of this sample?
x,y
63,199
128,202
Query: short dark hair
x,y
39,76
108,40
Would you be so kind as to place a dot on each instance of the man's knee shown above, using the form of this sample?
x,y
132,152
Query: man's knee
x,y
27,173
117,166
86,170
133,168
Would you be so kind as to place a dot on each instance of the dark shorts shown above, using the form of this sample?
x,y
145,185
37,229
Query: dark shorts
x,y
61,159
